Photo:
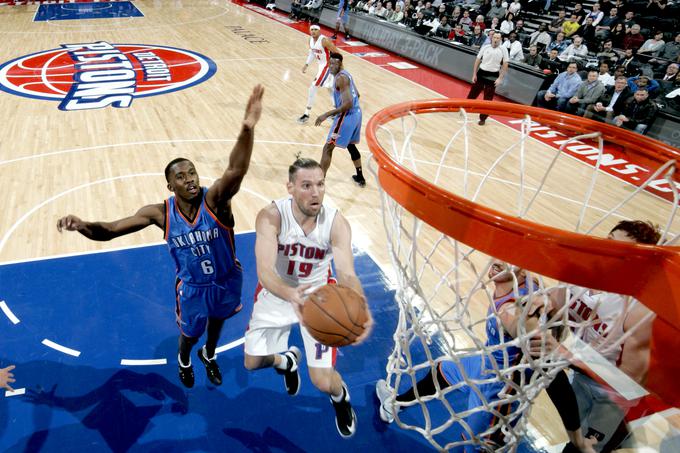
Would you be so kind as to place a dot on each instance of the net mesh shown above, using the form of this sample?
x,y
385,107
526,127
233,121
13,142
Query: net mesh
x,y
447,292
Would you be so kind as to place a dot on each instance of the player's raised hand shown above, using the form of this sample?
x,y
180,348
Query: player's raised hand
x,y
6,377
254,107
69,223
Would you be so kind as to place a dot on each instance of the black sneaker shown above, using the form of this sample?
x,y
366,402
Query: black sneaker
x,y
360,181
291,375
303,119
347,38
334,36
345,418
212,370
186,375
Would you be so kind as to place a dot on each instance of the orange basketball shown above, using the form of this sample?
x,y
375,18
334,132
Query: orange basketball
x,y
335,315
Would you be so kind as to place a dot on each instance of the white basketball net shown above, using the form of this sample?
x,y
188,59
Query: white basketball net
x,y
444,292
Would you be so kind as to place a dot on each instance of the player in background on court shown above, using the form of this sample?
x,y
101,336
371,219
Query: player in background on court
x,y
346,128
510,284
6,377
343,18
320,49
198,226
624,343
285,231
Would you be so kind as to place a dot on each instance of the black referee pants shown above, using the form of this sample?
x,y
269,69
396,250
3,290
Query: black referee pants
x,y
485,82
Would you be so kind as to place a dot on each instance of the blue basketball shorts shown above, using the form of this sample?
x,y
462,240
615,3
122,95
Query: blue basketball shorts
x,y
346,128
343,16
195,304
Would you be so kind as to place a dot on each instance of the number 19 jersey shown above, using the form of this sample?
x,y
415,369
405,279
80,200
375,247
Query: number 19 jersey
x,y
203,250
304,259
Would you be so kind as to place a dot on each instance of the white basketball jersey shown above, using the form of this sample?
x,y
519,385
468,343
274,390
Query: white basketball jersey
x,y
320,52
604,316
304,259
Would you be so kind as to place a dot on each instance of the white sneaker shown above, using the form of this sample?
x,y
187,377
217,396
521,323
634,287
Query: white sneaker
x,y
384,394
271,6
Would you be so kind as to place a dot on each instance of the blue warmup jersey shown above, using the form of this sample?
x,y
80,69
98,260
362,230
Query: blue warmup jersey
x,y
203,250
346,127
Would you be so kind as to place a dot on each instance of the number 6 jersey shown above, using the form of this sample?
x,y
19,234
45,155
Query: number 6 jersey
x,y
203,250
304,259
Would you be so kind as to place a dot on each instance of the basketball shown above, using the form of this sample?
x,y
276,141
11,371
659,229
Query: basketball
x,y
335,315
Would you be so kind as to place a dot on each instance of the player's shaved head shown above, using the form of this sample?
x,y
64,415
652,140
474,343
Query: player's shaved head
x,y
168,168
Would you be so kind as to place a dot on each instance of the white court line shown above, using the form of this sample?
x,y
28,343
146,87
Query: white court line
x,y
635,424
60,348
8,312
231,345
143,362
16,392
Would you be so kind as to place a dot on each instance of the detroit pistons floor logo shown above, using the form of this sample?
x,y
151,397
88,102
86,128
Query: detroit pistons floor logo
x,y
97,75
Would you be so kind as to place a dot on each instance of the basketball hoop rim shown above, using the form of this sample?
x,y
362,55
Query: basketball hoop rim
x,y
646,272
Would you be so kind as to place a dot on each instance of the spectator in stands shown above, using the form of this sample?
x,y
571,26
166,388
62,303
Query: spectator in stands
x,y
652,46
560,43
478,38
456,15
629,20
520,30
588,92
444,28
458,34
618,35
311,11
595,14
555,25
378,10
607,53
514,47
655,8
606,7
485,8
577,51
638,112
579,12
606,25
587,32
508,24
397,16
514,7
633,39
552,63
466,21
638,82
605,77
671,74
669,52
295,9
389,11
610,103
570,26
629,62
495,24
479,22
561,90
533,58
497,10
540,37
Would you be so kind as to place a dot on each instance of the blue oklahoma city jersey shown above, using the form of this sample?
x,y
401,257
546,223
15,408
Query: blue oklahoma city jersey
x,y
203,250
337,94
493,334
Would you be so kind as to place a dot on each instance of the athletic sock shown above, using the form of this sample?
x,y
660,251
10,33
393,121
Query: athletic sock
x,y
340,398
284,364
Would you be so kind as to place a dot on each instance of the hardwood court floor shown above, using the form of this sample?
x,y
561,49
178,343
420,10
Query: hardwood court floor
x,y
105,163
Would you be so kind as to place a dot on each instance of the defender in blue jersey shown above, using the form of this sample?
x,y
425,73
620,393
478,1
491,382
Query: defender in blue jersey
x,y
198,225
346,128
342,18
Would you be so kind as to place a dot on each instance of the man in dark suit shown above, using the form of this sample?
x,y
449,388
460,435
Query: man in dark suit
x,y
611,103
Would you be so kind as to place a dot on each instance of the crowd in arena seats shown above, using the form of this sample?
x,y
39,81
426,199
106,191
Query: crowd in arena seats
x,y
585,49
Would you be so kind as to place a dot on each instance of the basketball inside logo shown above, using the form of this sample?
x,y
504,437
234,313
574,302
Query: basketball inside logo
x,y
100,74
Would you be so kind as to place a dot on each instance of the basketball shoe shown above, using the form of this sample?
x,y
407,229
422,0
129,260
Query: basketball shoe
x,y
303,119
186,374
291,375
271,6
384,394
212,370
360,181
345,418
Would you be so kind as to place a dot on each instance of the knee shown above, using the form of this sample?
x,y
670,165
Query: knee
x,y
252,362
322,381
190,341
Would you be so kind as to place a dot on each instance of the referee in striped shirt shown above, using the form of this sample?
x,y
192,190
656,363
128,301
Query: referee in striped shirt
x,y
491,66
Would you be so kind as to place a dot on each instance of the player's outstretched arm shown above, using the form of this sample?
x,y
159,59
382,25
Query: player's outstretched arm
x,y
6,377
635,354
266,247
328,44
105,231
341,242
239,160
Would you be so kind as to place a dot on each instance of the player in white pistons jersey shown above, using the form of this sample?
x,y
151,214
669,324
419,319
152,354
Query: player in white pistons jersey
x,y
296,239
617,327
320,47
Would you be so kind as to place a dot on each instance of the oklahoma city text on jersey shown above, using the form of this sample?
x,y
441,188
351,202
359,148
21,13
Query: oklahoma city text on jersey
x,y
106,76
